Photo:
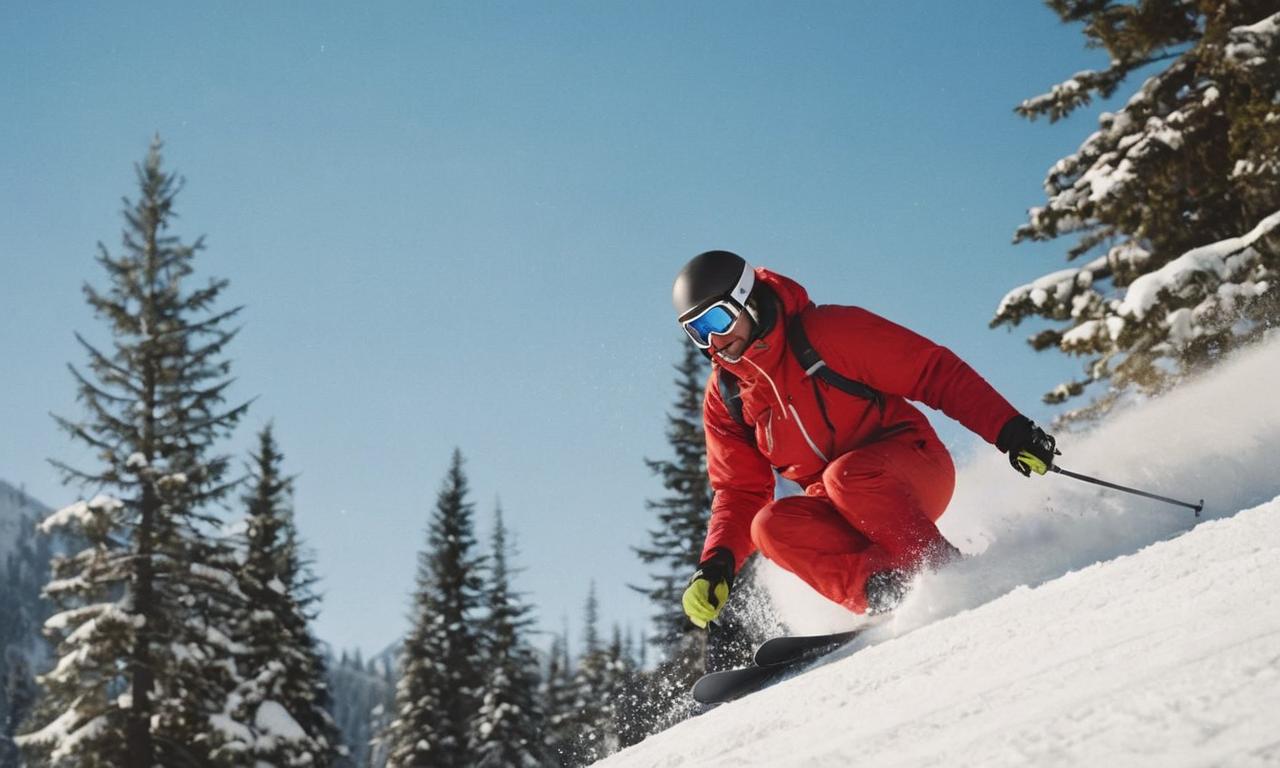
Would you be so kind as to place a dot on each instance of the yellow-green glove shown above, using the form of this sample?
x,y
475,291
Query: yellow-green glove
x,y
1030,449
708,590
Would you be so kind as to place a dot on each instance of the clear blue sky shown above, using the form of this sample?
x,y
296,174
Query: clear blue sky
x,y
456,224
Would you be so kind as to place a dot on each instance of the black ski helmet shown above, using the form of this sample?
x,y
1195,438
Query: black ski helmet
x,y
710,277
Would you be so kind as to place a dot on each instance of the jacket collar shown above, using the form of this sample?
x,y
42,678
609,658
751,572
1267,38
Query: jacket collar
x,y
764,356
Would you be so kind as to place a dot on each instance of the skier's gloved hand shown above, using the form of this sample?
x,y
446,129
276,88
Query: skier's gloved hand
x,y
709,588
1029,448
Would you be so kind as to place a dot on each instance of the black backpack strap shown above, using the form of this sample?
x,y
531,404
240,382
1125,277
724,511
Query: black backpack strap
x,y
731,394
813,365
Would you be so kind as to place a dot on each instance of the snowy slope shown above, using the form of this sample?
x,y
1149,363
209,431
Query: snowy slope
x,y
1167,657
1092,628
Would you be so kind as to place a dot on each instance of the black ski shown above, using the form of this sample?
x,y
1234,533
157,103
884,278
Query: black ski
x,y
780,650
775,659
729,684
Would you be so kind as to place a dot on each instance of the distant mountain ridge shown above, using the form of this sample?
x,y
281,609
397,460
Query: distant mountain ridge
x,y
363,695
24,569
16,509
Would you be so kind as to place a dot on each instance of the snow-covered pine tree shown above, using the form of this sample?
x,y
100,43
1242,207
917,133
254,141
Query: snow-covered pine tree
x,y
143,659
1174,200
675,541
507,731
592,718
383,712
279,707
626,690
439,664
558,697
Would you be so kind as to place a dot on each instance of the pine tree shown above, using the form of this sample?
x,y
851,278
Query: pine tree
x,y
1175,200
593,708
143,659
380,720
625,690
507,731
382,714
439,666
675,543
282,702
558,697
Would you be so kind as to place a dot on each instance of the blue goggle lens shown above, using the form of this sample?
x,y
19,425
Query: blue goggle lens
x,y
715,320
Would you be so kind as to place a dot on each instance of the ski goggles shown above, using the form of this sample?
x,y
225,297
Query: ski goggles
x,y
715,320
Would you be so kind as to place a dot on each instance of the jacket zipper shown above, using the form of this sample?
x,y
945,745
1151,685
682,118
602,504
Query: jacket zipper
x,y
772,386
812,445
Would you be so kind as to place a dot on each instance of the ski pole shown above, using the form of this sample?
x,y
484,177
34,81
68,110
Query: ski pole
x,y
708,647
1134,491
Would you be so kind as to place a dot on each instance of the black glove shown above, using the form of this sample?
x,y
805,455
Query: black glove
x,y
1029,448
709,588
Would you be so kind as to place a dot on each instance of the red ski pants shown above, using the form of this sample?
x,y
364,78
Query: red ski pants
x,y
873,509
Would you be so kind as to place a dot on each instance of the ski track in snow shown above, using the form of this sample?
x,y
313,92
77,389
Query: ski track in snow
x,y
1093,627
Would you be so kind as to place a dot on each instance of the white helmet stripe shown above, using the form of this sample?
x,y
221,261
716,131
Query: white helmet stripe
x,y
745,283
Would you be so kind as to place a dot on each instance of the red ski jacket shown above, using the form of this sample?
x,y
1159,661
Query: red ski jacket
x,y
781,404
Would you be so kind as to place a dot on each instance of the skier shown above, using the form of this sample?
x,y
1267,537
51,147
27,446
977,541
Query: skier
x,y
819,393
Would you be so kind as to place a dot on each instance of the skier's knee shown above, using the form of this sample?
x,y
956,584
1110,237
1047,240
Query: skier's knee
x,y
766,530
852,470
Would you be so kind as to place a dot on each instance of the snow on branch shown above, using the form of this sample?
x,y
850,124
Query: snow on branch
x,y
81,513
1254,45
1055,284
67,732
275,723
1224,261
1074,92
1085,335
1081,185
217,576
1051,290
